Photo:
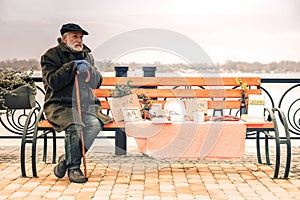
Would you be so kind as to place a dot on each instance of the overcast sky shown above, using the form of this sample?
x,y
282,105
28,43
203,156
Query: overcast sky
x,y
253,30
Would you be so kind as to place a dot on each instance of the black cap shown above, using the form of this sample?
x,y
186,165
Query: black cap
x,y
70,27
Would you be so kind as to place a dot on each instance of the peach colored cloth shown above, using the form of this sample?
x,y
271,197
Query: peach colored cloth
x,y
218,140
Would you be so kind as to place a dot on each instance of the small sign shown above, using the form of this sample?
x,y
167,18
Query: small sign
x,y
256,106
195,105
131,114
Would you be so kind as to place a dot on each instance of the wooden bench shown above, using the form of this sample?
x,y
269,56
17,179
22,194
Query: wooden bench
x,y
223,94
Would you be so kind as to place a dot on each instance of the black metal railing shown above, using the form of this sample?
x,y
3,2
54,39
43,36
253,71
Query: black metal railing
x,y
287,99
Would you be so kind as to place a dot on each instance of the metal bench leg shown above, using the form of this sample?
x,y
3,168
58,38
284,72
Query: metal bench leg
x,y
33,154
54,148
23,149
267,150
258,147
23,146
277,163
288,159
120,142
45,148
287,141
45,151
277,141
26,139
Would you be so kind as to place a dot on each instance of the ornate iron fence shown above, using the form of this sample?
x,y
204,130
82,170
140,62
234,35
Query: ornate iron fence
x,y
287,98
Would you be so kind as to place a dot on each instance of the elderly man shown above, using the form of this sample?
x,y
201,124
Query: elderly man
x,y
60,65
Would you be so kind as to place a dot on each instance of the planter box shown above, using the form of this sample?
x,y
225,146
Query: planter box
x,y
23,98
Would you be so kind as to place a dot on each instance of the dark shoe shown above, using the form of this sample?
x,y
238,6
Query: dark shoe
x,y
76,176
61,168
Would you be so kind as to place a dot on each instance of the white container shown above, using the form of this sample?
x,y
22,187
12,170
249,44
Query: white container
x,y
177,118
199,116
175,109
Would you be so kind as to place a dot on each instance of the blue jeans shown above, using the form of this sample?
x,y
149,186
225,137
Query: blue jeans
x,y
73,148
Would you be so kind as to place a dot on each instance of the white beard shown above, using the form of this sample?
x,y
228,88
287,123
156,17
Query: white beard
x,y
74,47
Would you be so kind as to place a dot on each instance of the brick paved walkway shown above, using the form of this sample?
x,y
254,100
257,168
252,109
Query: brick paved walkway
x,y
139,177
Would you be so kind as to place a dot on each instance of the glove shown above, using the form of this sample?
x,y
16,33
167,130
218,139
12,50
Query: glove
x,y
82,65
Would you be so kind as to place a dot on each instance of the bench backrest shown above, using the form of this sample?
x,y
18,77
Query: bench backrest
x,y
220,92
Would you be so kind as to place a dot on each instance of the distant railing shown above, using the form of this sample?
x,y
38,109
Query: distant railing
x,y
288,99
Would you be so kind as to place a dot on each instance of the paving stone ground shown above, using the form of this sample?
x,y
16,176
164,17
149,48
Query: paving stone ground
x,y
137,176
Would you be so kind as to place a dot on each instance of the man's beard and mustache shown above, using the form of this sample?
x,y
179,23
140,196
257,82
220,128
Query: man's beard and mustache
x,y
76,47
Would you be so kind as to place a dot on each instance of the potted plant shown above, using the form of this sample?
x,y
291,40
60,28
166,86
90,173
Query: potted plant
x,y
121,90
17,90
244,86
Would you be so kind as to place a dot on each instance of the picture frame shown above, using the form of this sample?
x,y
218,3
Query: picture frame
x,y
156,110
131,114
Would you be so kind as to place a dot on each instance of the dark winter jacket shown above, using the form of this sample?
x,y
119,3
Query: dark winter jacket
x,y
58,72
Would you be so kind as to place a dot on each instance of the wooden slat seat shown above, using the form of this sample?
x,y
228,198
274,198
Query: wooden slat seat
x,y
44,124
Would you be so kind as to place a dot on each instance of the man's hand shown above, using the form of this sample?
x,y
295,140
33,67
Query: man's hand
x,y
82,65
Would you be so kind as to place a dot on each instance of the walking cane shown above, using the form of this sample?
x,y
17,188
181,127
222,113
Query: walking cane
x,y
80,116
